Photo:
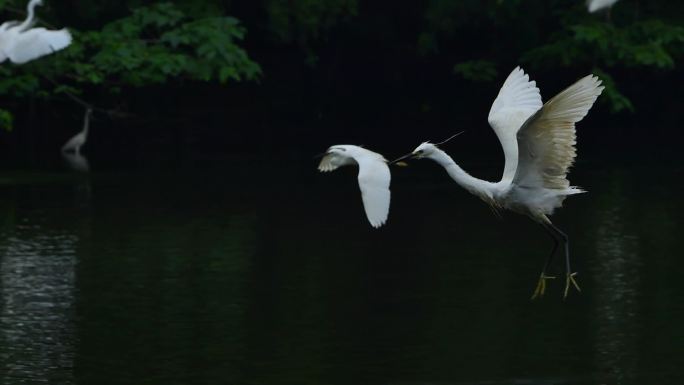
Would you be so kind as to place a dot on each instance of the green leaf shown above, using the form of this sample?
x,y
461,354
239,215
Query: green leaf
x,y
611,95
155,44
476,70
6,120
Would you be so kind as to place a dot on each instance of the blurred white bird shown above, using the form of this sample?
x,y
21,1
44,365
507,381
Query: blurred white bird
x,y
539,148
74,144
21,43
374,178
76,161
598,5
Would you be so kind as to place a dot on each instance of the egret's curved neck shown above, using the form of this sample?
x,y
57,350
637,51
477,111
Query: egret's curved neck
x,y
31,13
86,123
475,186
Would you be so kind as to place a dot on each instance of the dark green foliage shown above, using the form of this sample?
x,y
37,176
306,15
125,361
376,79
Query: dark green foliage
x,y
651,43
158,43
122,45
153,45
6,120
305,22
476,70
556,34
617,101
625,44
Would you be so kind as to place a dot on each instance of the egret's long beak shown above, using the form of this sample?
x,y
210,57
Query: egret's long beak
x,y
318,156
407,156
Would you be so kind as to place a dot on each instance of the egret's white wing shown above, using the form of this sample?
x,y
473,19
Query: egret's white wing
x,y
5,38
547,140
332,161
37,42
374,181
518,99
374,178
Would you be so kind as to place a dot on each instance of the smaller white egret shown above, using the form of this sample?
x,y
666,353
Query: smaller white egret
x,y
539,147
74,144
598,5
21,43
374,178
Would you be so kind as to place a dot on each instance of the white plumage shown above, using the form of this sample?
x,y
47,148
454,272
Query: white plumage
x,y
539,147
518,99
21,43
374,178
74,144
76,161
547,141
597,5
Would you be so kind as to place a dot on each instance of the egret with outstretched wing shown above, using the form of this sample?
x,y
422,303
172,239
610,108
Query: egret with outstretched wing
x,y
20,43
374,178
539,146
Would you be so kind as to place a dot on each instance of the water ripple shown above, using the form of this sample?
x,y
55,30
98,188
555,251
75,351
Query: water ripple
x,y
37,297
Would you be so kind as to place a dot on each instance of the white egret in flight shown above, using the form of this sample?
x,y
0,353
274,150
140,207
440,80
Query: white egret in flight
x,y
21,43
539,147
374,178
74,144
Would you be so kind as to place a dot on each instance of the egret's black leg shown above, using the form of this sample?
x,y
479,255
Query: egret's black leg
x,y
541,284
570,276
553,251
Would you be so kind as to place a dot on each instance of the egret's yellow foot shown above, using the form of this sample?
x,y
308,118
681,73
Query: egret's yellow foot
x,y
541,286
570,278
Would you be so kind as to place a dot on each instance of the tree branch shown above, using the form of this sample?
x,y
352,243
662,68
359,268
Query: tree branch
x,y
109,112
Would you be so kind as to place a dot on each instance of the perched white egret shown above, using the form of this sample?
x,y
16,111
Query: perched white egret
x,y
74,144
599,5
539,147
21,43
374,178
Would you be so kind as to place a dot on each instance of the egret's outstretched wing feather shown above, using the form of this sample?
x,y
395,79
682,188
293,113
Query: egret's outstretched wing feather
x,y
331,162
518,99
547,140
374,181
37,42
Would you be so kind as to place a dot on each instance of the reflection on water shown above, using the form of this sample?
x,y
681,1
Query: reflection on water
x,y
197,279
617,284
37,294
82,189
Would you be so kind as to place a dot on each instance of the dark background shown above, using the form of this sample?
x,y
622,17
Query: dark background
x,y
363,78
204,247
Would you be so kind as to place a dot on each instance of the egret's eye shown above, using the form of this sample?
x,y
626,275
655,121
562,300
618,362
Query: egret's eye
x,y
419,152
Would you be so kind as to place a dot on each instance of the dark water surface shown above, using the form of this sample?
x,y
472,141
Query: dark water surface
x,y
255,274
